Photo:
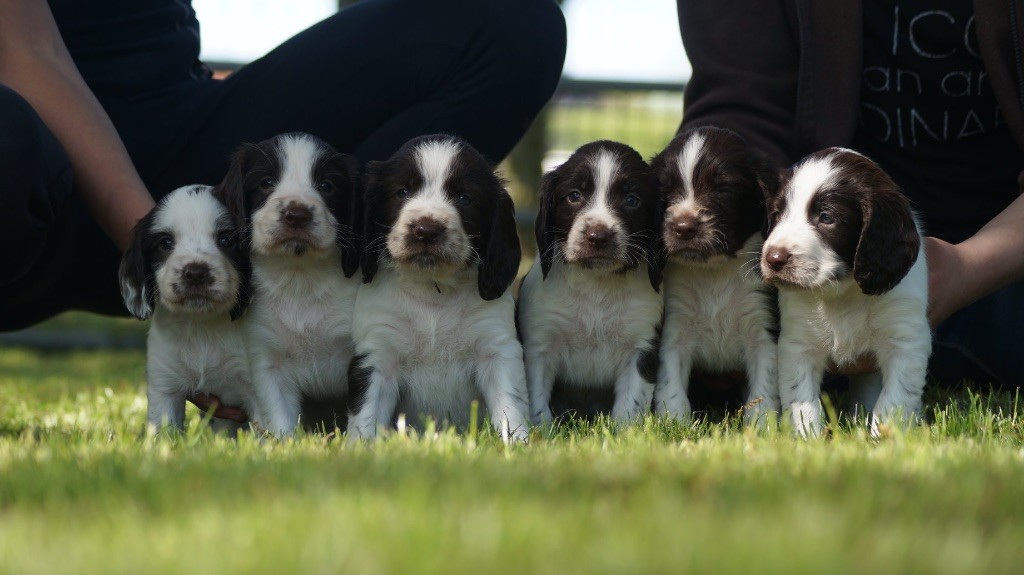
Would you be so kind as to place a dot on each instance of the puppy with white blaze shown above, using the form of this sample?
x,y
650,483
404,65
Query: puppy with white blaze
x,y
298,201
719,314
590,310
185,268
434,323
845,251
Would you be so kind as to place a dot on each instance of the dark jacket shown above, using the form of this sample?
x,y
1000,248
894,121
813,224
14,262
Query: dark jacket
x,y
786,73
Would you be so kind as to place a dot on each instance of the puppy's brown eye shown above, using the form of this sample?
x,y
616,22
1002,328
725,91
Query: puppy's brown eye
x,y
632,201
574,197
825,218
166,243
226,239
266,184
463,200
325,187
402,193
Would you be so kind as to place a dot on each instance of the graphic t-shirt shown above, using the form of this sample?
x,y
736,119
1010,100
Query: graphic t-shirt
x,y
929,117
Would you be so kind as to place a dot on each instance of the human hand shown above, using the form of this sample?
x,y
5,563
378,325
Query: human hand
x,y
950,281
208,403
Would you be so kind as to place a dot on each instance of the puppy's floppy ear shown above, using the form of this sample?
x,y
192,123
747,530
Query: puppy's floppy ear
x,y
350,236
544,227
766,173
657,255
231,192
502,252
135,275
373,230
772,190
244,265
238,255
889,240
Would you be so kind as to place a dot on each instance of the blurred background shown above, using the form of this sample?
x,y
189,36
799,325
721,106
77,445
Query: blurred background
x,y
624,74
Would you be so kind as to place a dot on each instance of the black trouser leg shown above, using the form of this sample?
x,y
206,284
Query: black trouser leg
x,y
35,184
383,71
40,220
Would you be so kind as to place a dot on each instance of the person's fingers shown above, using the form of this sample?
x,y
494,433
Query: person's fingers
x,y
233,413
947,280
204,401
208,403
935,251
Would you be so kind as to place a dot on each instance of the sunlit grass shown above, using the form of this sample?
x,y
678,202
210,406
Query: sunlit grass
x,y
84,490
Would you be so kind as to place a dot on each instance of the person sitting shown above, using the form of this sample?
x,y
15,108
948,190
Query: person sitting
x,y
934,94
105,106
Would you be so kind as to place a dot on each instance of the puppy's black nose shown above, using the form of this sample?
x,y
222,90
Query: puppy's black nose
x,y
598,236
427,230
196,274
777,258
296,216
685,228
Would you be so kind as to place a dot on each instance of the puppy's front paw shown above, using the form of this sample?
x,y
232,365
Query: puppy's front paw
x,y
676,406
627,415
806,418
542,416
888,416
761,412
512,432
360,433
519,435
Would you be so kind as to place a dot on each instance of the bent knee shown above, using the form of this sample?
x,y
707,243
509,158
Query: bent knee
x,y
529,41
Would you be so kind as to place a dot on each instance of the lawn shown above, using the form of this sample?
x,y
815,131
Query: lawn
x,y
83,490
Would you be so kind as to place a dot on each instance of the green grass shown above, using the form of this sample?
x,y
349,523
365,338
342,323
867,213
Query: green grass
x,y
83,490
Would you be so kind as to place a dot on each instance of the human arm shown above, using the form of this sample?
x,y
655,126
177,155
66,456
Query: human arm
x,y
209,403
35,63
960,274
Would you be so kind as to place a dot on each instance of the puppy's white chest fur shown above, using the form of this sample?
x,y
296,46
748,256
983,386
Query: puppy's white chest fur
x,y
431,337
589,325
718,313
844,324
301,322
206,355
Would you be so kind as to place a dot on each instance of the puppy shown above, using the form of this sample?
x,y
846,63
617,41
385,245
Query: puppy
x,y
719,314
846,253
590,310
186,269
434,323
298,201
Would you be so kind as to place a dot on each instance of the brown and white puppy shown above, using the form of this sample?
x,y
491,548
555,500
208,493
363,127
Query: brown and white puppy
x,y
845,251
590,310
185,267
298,201
435,323
719,314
